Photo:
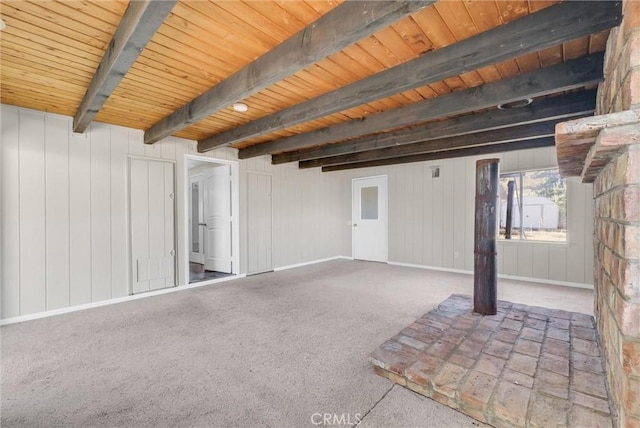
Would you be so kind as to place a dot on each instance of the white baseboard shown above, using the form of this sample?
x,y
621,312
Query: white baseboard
x,y
312,262
38,315
500,275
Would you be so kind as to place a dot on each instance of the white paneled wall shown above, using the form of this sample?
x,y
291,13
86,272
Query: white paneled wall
x,y
64,210
64,213
307,212
431,219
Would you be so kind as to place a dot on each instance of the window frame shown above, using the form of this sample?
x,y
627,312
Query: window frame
x,y
520,174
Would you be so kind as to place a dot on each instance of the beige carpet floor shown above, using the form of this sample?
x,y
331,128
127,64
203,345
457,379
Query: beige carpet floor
x,y
277,349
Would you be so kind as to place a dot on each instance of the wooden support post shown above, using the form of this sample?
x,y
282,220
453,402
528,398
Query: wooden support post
x,y
507,227
485,296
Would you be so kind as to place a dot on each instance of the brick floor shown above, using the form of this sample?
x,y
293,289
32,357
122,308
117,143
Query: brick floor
x,y
526,366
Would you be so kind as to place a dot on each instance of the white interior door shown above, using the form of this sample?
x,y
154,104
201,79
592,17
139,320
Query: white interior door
x,y
369,218
259,223
152,236
217,215
196,220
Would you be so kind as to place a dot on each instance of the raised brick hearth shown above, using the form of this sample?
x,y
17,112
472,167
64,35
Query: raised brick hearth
x,y
524,366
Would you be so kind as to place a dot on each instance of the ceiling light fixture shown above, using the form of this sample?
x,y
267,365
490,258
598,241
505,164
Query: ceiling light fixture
x,y
515,104
241,107
2,25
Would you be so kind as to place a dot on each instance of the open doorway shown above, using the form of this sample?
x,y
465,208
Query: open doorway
x,y
211,219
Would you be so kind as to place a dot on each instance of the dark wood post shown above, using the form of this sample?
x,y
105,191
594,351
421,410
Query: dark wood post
x,y
485,296
508,223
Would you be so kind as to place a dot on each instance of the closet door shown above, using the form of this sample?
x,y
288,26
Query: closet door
x,y
152,224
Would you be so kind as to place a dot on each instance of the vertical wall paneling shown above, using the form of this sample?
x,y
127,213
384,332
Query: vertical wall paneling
x,y
448,226
10,215
100,211
459,206
540,262
156,219
79,219
427,217
57,129
437,209
119,231
32,213
259,222
558,262
577,239
139,224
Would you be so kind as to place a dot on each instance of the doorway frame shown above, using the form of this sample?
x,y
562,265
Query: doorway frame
x,y
235,214
386,223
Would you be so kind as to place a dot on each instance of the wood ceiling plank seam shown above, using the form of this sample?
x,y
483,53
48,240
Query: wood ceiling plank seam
x,y
145,82
47,81
69,35
96,12
242,12
274,11
536,5
50,44
22,51
19,84
528,62
413,36
167,71
230,30
569,75
364,59
510,10
396,43
485,20
173,43
551,56
267,33
433,26
599,41
577,48
300,9
377,50
114,6
8,59
456,12
163,45
83,25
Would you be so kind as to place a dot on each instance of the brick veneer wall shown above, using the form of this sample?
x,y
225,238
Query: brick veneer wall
x,y
617,225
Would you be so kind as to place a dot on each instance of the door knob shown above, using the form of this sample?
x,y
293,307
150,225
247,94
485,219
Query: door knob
x,y
202,224
355,224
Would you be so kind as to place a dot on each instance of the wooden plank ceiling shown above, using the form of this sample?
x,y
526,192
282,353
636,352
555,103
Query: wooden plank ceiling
x,y
50,51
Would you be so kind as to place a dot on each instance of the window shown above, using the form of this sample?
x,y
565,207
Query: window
x,y
537,204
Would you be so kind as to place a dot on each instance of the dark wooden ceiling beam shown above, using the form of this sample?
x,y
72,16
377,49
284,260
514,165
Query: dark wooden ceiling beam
x,y
449,154
504,135
140,21
548,27
558,107
557,78
346,24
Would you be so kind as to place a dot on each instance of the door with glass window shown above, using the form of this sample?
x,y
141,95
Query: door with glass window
x,y
369,218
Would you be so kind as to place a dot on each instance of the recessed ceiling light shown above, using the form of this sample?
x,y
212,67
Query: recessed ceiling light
x,y
241,107
2,25
515,104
